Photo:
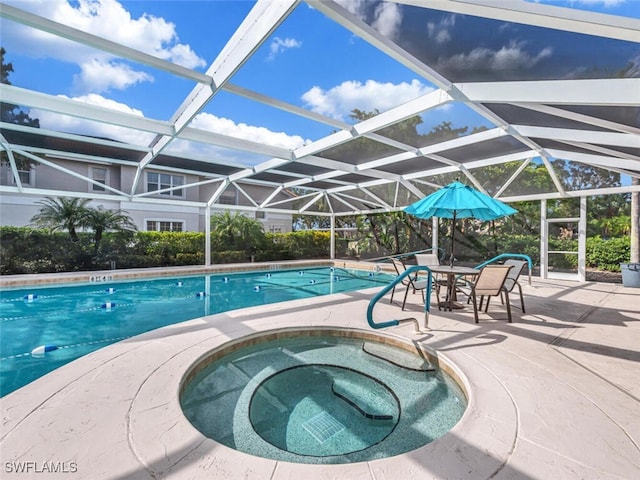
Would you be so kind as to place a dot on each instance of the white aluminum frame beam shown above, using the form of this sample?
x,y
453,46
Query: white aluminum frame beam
x,y
66,106
64,31
585,136
579,117
262,20
611,92
547,16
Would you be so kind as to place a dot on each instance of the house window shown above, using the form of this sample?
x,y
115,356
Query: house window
x,y
163,181
227,199
27,177
99,174
261,215
165,226
275,228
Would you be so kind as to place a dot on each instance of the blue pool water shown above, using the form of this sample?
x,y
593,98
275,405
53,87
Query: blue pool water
x,y
321,399
79,319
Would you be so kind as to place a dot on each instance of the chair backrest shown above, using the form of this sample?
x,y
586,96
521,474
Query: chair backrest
x,y
491,279
514,273
400,268
427,259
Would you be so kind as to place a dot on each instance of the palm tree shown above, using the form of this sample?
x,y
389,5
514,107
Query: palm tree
x,y
101,220
62,214
237,231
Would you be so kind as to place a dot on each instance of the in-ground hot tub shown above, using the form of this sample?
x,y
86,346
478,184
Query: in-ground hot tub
x,y
322,396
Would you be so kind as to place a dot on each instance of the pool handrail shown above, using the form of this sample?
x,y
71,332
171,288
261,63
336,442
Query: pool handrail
x,y
392,323
509,255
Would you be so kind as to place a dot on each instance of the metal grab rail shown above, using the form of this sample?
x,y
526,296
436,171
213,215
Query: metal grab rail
x,y
509,255
427,304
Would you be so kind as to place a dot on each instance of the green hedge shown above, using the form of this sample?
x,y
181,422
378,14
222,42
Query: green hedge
x,y
28,250
608,254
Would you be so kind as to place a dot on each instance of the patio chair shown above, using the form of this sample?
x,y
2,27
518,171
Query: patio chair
x,y
490,283
512,278
430,259
411,282
427,259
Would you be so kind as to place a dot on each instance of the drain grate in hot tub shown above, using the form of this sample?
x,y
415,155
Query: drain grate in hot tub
x,y
323,426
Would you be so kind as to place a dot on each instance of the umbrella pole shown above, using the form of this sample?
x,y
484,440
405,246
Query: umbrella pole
x,y
453,237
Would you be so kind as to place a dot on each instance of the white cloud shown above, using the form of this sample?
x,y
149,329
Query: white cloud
x,y
99,101
386,17
204,121
107,18
80,126
511,57
339,101
96,76
224,126
441,31
356,7
279,45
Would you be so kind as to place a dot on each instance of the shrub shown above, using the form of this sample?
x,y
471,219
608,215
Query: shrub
x,y
608,254
29,250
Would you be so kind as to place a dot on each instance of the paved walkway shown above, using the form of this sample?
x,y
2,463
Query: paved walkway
x,y
555,395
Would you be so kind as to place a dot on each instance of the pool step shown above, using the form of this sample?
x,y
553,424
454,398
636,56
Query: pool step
x,y
272,399
357,398
398,357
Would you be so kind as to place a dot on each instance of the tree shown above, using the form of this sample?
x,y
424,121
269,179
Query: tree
x,y
237,232
8,112
62,214
442,133
13,114
101,220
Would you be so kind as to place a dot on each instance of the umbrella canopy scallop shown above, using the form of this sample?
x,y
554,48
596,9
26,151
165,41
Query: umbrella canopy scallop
x,y
457,200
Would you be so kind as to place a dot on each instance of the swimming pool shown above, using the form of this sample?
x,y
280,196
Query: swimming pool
x,y
73,320
317,397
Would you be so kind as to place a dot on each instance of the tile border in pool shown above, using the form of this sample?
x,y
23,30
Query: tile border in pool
x,y
105,276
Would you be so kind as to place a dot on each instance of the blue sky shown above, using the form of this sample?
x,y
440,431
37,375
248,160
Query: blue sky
x,y
309,61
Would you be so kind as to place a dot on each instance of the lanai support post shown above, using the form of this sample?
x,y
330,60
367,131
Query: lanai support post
x,y
582,241
207,235
544,246
332,244
434,236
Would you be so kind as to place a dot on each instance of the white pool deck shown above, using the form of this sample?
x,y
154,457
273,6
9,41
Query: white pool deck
x,y
554,395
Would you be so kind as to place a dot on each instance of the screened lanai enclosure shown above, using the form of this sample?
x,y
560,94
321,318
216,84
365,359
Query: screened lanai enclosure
x,y
508,96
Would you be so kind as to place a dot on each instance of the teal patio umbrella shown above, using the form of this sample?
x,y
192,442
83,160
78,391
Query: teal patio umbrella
x,y
457,200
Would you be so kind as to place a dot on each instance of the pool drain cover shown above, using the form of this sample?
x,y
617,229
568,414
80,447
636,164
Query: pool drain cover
x,y
323,426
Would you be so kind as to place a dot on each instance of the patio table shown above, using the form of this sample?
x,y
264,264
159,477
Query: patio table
x,y
452,272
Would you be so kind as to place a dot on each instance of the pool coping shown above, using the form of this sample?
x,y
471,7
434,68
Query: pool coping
x,y
160,394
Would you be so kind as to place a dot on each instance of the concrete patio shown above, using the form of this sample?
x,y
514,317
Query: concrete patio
x,y
555,395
